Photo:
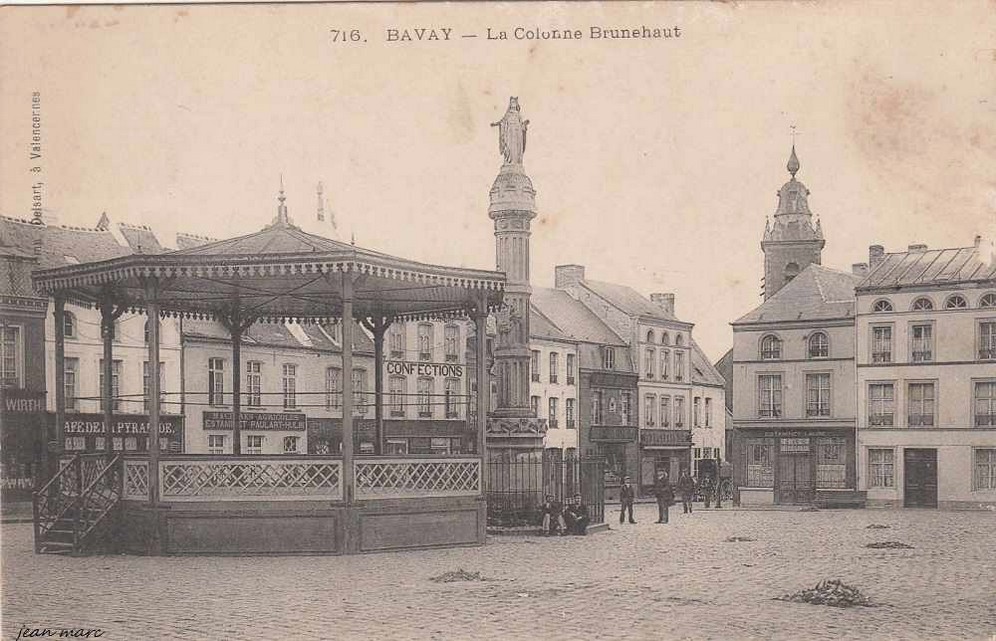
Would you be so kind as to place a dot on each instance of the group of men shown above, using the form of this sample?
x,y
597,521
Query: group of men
x,y
665,493
571,519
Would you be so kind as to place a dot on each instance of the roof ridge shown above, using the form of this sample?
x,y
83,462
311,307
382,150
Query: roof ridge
x,y
132,226
22,221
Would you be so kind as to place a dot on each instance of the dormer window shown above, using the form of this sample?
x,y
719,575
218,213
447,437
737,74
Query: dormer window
x,y
771,348
881,305
956,302
608,358
988,301
922,304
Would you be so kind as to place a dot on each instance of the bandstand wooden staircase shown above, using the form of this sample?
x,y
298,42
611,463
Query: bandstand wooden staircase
x,y
74,510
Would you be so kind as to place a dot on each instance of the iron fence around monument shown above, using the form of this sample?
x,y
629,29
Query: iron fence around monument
x,y
515,486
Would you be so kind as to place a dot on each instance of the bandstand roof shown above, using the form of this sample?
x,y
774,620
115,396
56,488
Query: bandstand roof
x,y
278,273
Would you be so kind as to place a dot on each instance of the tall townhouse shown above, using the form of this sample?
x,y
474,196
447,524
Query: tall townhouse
x,y
554,382
926,350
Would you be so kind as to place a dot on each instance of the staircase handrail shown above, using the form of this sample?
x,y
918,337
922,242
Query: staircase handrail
x,y
90,524
73,467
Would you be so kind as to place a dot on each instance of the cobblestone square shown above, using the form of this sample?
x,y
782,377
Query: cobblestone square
x,y
683,580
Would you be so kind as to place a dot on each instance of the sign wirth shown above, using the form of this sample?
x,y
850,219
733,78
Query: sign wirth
x,y
23,402
423,368
258,421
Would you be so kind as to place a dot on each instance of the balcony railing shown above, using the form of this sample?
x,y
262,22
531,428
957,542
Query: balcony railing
x,y
614,433
570,424
921,420
570,380
983,420
665,437
535,377
452,358
884,420
553,378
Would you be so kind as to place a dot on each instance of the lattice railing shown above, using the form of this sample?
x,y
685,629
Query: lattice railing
x,y
408,478
136,480
252,479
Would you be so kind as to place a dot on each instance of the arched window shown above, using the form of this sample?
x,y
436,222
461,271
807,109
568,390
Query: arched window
x,y
791,271
882,305
987,301
665,338
771,348
69,326
819,345
678,340
650,336
956,302
922,303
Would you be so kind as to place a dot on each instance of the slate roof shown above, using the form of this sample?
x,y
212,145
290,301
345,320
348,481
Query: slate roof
x,y
725,367
572,318
277,335
932,267
187,241
61,245
628,300
541,327
141,239
817,293
703,372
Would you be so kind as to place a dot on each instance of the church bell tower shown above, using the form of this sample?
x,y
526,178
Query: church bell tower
x,y
791,242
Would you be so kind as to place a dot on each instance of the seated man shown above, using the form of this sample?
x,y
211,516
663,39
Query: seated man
x,y
576,517
553,518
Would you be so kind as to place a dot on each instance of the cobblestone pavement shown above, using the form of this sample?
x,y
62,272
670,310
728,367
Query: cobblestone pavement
x,y
644,581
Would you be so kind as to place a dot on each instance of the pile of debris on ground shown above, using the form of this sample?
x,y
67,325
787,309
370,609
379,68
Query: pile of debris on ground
x,y
833,592
739,539
890,545
459,575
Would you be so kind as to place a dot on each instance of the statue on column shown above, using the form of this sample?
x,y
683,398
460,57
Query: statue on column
x,y
512,133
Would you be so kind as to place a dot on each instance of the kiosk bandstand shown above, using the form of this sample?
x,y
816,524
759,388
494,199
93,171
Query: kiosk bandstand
x,y
158,503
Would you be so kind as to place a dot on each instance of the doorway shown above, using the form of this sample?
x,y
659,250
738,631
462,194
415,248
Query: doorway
x,y
795,479
920,478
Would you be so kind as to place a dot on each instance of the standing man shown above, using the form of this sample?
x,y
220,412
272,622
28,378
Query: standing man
x,y
627,494
665,496
686,488
708,487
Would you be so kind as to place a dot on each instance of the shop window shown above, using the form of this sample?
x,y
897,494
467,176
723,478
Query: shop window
x,y
956,301
290,386
769,388
921,402
922,343
425,397
216,443
396,395
771,348
254,443
881,344
987,341
819,346
216,381
72,383
881,404
452,343
396,446
115,385
831,463
333,388
760,471
881,306
75,443
131,443
439,446
985,469
985,403
12,358
291,444
881,468
818,395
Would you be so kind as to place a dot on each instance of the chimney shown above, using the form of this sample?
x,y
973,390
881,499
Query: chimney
x,y
917,248
567,275
978,240
876,254
664,301
859,269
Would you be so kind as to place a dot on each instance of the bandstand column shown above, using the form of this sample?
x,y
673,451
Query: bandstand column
x,y
348,480
483,385
380,326
235,328
152,310
107,334
60,382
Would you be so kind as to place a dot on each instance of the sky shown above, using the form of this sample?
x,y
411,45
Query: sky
x,y
655,161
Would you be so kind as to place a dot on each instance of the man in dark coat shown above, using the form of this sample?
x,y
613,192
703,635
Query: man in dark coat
x,y
553,518
686,489
665,496
708,488
576,517
627,494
